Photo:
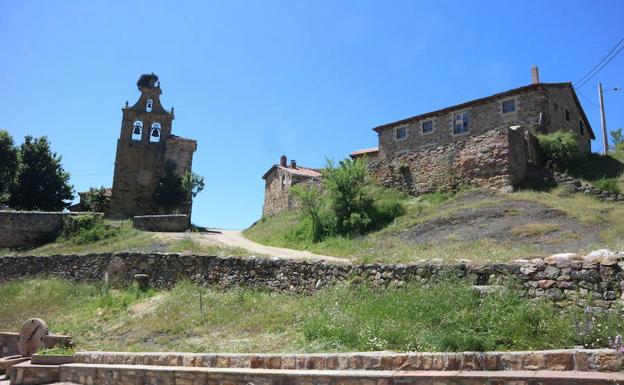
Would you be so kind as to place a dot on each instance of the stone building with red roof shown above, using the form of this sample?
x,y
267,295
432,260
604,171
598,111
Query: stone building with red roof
x,y
279,179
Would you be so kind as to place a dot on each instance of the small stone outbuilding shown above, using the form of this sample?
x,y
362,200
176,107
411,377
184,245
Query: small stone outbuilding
x,y
278,180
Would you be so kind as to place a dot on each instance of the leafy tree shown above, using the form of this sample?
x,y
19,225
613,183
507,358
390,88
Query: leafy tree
x,y
192,184
96,200
310,198
558,148
617,138
169,191
348,198
9,163
41,183
346,206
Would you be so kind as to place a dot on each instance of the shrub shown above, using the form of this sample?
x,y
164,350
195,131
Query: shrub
x,y
349,204
81,229
607,184
558,148
96,200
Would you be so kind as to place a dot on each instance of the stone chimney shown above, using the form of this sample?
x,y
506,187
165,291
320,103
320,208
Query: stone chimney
x,y
535,75
283,160
293,163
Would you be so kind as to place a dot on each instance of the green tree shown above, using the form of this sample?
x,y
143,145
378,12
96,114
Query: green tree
x,y
192,184
96,200
346,190
41,183
9,163
558,148
310,198
169,191
617,138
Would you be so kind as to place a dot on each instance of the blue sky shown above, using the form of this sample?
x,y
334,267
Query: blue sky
x,y
251,80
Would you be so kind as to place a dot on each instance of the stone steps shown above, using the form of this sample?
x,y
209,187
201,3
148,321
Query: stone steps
x,y
95,374
31,374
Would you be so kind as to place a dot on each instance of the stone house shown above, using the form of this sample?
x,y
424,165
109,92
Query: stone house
x,y
144,149
279,178
487,141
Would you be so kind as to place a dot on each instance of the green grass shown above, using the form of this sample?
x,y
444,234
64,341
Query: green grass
x,y
120,236
386,245
445,317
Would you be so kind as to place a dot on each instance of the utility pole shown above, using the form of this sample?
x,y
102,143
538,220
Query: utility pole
x,y
603,121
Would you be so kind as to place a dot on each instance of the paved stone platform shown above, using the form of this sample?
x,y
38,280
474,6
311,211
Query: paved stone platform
x,y
94,374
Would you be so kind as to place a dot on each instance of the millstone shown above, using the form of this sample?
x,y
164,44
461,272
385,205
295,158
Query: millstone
x,y
31,336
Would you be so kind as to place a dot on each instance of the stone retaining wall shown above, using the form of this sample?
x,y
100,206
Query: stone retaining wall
x,y
30,228
164,223
497,159
602,360
596,279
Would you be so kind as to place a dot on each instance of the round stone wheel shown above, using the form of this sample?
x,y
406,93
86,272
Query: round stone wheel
x,y
31,336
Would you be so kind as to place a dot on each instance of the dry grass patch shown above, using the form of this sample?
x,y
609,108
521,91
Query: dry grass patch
x,y
533,229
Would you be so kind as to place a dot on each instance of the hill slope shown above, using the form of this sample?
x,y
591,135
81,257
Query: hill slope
x,y
475,224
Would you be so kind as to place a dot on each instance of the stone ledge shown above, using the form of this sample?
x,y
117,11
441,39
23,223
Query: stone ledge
x,y
165,375
598,360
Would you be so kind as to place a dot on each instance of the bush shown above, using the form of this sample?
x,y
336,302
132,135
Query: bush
x,y
348,205
558,148
81,229
607,184
96,200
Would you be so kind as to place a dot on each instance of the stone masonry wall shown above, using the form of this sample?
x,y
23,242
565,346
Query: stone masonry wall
x,y
165,223
496,159
601,360
30,228
277,198
482,118
595,280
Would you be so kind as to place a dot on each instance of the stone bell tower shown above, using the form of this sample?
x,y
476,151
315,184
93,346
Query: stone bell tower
x,y
144,146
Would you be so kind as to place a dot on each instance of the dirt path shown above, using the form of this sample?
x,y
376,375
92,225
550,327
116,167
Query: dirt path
x,y
235,238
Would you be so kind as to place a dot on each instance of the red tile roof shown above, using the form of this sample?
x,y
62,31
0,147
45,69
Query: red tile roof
x,y
365,151
301,171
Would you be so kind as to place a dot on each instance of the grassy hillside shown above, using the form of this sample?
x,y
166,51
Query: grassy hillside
x,y
447,317
120,236
473,224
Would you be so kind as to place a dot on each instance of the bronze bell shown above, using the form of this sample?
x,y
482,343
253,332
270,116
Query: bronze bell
x,y
155,133
137,130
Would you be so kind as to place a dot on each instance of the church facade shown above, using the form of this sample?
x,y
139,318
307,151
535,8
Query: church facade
x,y
147,152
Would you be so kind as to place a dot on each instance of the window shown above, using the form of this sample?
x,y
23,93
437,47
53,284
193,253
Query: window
x,y
509,106
566,114
581,128
460,123
155,133
137,130
401,133
427,126
150,103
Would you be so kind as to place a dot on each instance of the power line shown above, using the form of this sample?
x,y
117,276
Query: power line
x,y
587,99
601,64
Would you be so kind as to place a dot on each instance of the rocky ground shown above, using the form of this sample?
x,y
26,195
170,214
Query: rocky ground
x,y
479,214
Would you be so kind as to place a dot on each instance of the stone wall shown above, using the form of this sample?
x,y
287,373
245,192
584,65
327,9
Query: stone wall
x,y
164,223
596,279
277,198
482,118
560,99
30,228
496,159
